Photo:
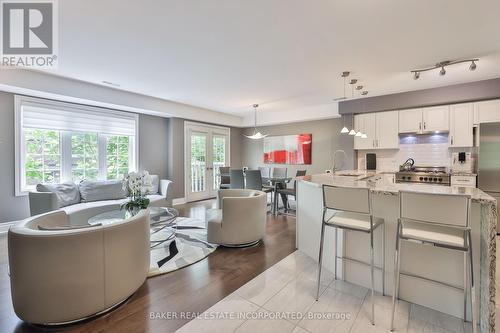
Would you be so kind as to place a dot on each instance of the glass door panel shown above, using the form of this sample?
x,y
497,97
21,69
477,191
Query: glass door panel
x,y
207,149
198,162
218,158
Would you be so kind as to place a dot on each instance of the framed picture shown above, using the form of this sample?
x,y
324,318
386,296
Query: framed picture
x,y
288,149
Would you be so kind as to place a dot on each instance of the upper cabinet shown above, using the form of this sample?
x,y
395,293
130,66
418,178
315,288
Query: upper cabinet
x,y
487,112
461,125
387,130
433,119
436,119
410,121
381,129
365,123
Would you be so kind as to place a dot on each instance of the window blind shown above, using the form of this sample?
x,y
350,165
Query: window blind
x,y
68,117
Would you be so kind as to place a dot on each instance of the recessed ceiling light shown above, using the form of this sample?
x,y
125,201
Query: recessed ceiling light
x,y
110,83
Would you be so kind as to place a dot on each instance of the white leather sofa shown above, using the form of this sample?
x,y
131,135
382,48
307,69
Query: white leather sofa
x,y
42,202
62,274
240,218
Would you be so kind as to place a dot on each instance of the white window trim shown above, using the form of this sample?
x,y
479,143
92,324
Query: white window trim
x,y
202,127
19,100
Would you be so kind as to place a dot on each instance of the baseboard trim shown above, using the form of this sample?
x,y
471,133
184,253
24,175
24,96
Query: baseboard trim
x,y
4,227
179,201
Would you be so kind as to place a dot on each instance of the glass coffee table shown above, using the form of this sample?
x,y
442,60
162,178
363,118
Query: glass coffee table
x,y
163,220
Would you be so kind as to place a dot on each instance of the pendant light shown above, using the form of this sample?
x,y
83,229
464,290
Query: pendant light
x,y
345,74
256,134
344,130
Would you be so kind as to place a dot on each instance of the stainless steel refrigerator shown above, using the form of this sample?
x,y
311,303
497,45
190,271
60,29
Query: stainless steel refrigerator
x,y
489,161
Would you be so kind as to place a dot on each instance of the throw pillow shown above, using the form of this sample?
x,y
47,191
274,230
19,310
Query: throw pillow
x,y
101,190
67,193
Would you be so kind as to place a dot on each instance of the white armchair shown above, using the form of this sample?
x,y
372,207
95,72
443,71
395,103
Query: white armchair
x,y
240,218
60,273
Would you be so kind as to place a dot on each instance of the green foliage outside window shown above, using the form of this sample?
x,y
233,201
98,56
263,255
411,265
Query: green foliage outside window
x,y
43,156
117,156
43,159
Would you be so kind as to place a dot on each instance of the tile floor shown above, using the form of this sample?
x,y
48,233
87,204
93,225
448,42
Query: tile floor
x,y
281,299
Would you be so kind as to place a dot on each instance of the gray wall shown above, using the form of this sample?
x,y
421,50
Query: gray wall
x,y
11,207
153,156
176,156
326,138
153,147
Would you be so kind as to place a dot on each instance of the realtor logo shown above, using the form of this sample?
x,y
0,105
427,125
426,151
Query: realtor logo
x,y
29,33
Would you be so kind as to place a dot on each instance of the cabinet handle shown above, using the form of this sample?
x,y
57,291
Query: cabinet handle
x,y
419,126
452,141
425,125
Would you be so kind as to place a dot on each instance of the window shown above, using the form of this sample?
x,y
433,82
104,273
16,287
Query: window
x,y
84,156
58,142
117,156
42,156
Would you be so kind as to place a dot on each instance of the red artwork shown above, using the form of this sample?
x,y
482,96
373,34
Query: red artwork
x,y
288,149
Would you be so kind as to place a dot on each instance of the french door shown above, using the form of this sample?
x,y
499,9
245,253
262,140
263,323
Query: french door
x,y
207,149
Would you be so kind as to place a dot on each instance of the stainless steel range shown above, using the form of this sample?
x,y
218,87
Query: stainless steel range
x,y
425,174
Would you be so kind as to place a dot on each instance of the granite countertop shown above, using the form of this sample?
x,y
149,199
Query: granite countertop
x,y
382,185
378,184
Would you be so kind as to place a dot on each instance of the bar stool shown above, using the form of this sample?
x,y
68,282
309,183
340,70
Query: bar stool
x,y
446,225
352,211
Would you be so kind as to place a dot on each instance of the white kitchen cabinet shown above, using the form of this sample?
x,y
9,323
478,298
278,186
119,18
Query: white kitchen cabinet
x,y
381,128
365,123
410,121
461,125
487,112
387,130
436,119
423,120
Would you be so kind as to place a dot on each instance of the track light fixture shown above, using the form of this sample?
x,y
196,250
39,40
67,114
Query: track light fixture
x,y
442,65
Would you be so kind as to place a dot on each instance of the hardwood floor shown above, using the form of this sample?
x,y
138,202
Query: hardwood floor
x,y
192,289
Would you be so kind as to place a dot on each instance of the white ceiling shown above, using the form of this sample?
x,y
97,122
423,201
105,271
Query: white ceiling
x,y
286,55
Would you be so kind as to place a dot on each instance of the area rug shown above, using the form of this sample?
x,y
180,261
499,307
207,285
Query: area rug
x,y
187,247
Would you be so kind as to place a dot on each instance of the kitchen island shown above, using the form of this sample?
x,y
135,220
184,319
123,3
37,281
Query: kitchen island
x,y
420,263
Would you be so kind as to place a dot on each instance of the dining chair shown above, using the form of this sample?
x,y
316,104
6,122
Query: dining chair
x,y
286,192
265,172
254,182
279,172
237,179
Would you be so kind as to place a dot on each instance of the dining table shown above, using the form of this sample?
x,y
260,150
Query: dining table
x,y
275,182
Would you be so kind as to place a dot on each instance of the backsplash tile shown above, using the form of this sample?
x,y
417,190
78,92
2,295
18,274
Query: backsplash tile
x,y
426,150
